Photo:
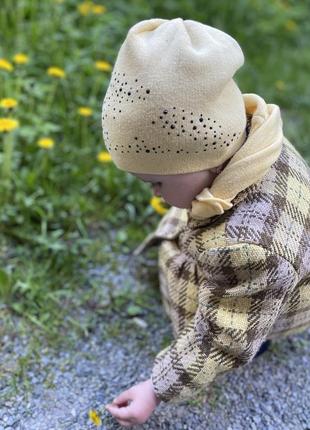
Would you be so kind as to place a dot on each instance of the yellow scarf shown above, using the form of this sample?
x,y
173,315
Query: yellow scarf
x,y
249,164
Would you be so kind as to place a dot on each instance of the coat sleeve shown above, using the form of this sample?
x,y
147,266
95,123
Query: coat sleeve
x,y
241,296
169,228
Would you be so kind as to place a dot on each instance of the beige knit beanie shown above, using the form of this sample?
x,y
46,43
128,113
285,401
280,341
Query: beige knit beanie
x,y
172,105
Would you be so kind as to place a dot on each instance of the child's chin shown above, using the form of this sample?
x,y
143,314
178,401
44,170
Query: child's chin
x,y
180,205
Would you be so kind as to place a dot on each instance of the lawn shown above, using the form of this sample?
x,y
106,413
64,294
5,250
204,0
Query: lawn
x,y
64,205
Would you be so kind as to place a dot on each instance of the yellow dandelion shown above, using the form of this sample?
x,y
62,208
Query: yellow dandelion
x,y
104,157
20,58
8,103
290,25
280,85
156,203
46,143
8,124
85,8
94,417
85,111
6,65
98,9
57,72
103,66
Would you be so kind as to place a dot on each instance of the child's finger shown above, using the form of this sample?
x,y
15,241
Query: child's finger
x,y
121,413
120,403
122,398
125,423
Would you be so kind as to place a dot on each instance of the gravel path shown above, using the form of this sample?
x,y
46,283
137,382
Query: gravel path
x,y
272,392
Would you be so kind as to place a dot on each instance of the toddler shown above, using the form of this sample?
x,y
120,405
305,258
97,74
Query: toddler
x,y
234,248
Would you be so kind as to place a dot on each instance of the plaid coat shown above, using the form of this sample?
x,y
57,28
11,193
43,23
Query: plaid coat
x,y
232,281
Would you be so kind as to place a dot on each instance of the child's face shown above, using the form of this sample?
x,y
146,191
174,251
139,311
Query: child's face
x,y
179,190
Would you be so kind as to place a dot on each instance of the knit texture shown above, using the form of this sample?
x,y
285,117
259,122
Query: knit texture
x,y
232,281
172,105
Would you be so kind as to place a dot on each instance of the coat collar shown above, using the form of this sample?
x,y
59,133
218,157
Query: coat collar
x,y
261,148
246,193
195,223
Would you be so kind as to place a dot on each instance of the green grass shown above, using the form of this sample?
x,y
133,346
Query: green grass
x,y
60,207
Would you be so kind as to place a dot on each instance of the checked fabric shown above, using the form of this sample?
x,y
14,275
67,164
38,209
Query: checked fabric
x,y
234,280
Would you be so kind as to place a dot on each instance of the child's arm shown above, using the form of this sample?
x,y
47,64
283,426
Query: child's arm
x,y
245,286
169,227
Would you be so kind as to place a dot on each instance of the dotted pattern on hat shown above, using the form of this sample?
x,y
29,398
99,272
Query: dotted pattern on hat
x,y
177,121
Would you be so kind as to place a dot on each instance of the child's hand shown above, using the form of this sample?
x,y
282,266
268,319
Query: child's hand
x,y
142,403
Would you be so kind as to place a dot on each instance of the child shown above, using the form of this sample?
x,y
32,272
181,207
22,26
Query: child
x,y
234,248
